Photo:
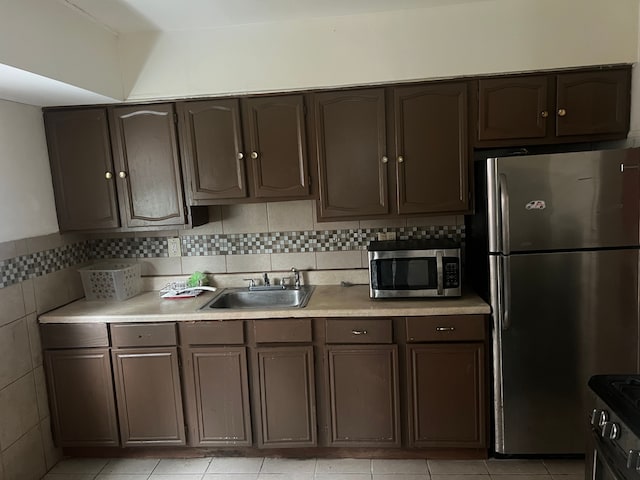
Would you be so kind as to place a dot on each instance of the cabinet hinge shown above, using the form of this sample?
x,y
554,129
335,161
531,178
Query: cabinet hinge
x,y
175,118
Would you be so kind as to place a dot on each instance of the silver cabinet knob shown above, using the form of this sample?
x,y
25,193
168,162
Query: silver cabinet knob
x,y
562,112
358,332
544,114
400,159
240,155
254,155
122,174
108,175
385,159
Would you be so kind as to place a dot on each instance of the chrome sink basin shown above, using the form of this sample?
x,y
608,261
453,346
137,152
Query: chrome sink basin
x,y
243,298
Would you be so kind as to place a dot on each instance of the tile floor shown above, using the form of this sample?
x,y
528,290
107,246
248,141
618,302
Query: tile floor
x,y
223,468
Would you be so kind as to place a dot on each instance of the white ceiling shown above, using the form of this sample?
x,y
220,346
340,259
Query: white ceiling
x,y
126,16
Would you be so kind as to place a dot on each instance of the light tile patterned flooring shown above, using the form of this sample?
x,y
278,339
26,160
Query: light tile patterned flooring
x,y
229,468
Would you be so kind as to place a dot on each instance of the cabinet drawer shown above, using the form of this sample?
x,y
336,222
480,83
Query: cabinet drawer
x,y
74,335
144,335
211,333
359,330
445,328
282,331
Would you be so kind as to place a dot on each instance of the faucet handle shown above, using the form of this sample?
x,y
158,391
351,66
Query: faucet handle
x,y
296,277
252,282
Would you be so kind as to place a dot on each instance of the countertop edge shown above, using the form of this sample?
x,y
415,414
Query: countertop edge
x,y
326,302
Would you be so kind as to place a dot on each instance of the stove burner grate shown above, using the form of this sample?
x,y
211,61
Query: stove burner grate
x,y
629,389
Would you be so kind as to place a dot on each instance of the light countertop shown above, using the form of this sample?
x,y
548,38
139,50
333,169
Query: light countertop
x,y
326,301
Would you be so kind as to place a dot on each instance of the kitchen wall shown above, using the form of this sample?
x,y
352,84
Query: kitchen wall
x,y
266,237
43,283
461,39
27,206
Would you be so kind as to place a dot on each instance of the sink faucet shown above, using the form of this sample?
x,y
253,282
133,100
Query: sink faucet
x,y
267,282
296,277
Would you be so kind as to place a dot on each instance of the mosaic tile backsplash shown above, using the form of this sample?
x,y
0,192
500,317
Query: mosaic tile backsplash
x,y
18,269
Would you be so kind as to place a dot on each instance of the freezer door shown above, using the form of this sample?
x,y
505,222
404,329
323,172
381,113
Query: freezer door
x,y
564,201
570,316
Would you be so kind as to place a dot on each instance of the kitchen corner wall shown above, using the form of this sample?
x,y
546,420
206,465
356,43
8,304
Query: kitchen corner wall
x,y
36,275
39,274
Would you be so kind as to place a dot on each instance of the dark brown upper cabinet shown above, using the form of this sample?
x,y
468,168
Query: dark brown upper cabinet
x,y
82,169
351,151
277,146
213,149
513,108
428,136
563,107
148,166
431,147
253,148
117,167
593,103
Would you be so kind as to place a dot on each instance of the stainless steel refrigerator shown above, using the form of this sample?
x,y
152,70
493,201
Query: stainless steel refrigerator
x,y
557,236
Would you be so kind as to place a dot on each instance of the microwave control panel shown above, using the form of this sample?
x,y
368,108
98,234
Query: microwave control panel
x,y
451,272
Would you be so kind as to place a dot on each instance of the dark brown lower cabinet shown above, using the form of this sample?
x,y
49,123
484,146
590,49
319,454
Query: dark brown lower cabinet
x,y
81,396
446,395
149,396
216,396
363,395
286,396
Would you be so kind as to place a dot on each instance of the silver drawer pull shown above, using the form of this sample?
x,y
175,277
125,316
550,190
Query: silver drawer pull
x,y
445,329
359,332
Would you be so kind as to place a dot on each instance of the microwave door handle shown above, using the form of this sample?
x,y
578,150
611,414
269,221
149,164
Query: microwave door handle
x,y
504,216
440,271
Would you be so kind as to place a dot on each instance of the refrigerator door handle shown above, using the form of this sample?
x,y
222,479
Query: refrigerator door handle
x,y
505,262
504,214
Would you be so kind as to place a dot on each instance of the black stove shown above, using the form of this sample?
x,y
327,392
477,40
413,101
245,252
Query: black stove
x,y
622,394
615,427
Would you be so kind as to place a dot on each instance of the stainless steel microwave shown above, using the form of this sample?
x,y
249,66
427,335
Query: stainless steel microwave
x,y
414,268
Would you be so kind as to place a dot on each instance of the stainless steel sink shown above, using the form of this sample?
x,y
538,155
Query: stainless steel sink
x,y
244,298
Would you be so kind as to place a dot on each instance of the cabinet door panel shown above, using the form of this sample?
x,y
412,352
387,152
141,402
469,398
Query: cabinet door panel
x,y
80,157
213,150
277,146
446,403
350,145
287,397
432,154
150,185
149,397
593,102
217,396
363,395
512,108
81,396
